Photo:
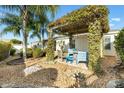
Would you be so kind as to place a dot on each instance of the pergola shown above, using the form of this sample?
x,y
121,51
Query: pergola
x,y
89,19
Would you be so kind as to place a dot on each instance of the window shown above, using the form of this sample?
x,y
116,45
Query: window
x,y
107,43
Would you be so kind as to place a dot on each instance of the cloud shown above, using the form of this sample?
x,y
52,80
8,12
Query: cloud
x,y
115,19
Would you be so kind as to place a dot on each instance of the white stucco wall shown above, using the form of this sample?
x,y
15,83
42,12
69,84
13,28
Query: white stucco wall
x,y
65,39
81,43
18,47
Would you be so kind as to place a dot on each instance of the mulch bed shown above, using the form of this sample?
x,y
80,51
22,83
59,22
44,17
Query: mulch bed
x,y
111,70
53,75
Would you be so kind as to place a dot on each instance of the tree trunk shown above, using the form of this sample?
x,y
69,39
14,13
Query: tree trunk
x,y
24,32
43,37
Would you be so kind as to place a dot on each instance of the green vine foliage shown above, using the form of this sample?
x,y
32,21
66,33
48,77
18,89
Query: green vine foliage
x,y
119,44
80,19
94,40
50,50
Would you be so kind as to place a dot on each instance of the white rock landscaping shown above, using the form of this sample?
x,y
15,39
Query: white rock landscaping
x,y
32,69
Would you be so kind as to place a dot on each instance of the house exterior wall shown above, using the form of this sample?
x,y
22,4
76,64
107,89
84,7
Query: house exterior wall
x,y
81,43
66,41
18,47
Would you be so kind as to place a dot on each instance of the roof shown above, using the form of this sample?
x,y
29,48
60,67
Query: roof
x,y
112,32
78,20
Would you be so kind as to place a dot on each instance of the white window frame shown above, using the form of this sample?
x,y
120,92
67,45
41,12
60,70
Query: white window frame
x,y
106,42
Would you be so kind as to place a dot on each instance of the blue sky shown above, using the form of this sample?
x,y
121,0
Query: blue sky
x,y
116,17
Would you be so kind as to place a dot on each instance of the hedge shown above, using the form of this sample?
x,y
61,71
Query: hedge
x,y
29,53
12,51
4,50
36,52
119,44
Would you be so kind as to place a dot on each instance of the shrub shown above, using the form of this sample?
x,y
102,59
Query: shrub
x,y
50,49
44,52
4,50
29,53
97,67
15,41
21,53
36,52
119,44
12,51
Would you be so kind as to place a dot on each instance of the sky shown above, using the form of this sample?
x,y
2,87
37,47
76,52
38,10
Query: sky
x,y
116,18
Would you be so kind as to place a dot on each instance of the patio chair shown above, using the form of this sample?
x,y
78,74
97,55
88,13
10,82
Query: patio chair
x,y
81,56
69,56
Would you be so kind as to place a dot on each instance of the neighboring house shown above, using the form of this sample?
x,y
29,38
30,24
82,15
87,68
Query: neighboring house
x,y
39,44
80,42
36,44
18,47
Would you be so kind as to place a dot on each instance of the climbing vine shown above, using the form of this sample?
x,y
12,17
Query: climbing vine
x,y
94,40
81,18
50,50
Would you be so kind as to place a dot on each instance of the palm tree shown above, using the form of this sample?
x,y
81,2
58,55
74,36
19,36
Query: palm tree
x,y
39,31
24,11
13,24
41,24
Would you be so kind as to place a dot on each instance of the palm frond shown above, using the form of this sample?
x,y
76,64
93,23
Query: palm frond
x,y
11,29
11,8
35,34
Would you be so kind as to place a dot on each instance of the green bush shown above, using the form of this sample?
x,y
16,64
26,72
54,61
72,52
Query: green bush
x,y
21,53
4,50
12,51
44,52
97,68
37,52
15,41
50,49
29,53
119,44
